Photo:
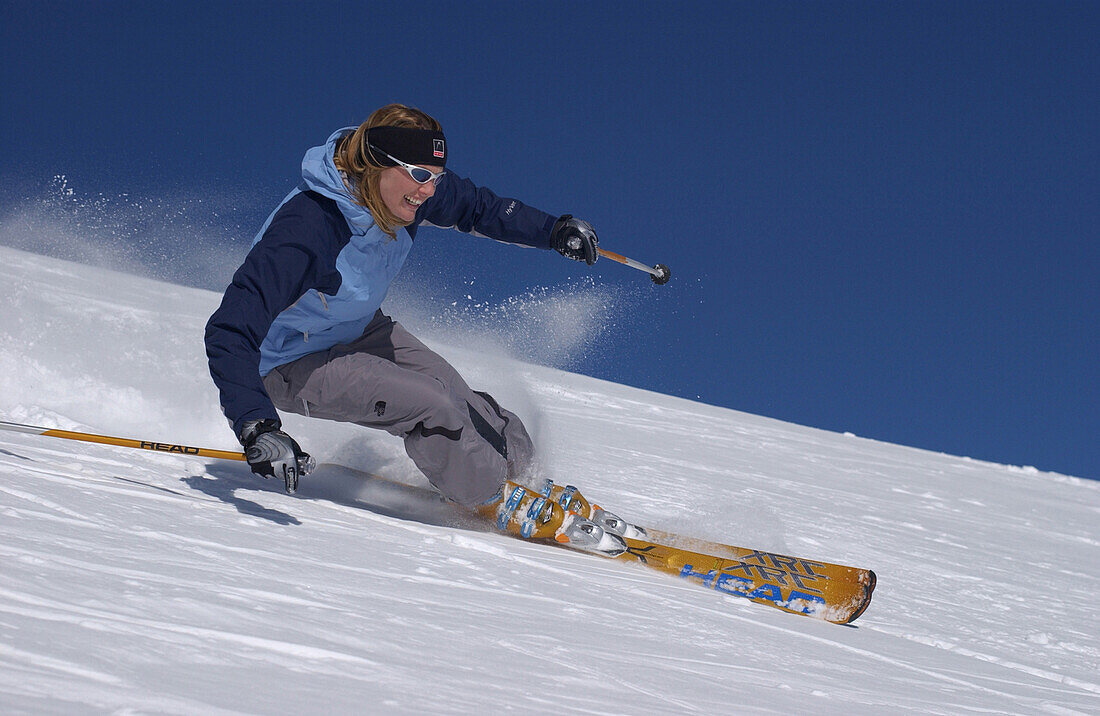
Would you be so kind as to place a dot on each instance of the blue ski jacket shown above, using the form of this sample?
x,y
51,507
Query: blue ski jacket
x,y
320,267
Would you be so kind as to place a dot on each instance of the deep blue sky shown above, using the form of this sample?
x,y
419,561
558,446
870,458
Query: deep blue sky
x,y
881,217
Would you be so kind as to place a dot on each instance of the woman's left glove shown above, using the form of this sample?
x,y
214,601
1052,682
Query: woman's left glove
x,y
576,239
273,453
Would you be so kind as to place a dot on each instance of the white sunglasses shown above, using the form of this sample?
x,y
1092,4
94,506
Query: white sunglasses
x,y
420,175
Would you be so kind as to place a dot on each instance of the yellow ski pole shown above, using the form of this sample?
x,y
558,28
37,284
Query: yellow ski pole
x,y
123,442
659,273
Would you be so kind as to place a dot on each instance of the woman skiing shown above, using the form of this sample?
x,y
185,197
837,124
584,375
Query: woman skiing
x,y
300,327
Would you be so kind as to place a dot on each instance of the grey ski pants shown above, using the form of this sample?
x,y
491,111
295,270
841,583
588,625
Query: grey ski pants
x,y
462,440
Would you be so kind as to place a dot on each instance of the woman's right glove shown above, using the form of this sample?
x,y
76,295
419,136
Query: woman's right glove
x,y
273,453
576,239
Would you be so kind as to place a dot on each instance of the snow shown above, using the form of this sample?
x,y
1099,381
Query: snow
x,y
133,581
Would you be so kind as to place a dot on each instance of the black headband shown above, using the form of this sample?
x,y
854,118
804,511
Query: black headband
x,y
412,146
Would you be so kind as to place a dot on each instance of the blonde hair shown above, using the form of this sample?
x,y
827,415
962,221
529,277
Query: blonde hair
x,y
354,158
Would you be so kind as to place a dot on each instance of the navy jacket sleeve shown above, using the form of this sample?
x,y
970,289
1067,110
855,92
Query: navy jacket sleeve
x,y
297,253
458,203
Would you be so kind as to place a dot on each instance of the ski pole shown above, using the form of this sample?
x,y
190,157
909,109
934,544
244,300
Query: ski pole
x,y
123,442
659,273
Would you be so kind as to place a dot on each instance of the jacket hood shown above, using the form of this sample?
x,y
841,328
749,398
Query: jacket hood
x,y
319,174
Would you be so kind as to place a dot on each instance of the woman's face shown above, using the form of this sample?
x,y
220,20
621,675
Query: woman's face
x,y
401,194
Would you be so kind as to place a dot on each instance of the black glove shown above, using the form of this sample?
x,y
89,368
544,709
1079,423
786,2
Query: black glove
x,y
273,453
576,239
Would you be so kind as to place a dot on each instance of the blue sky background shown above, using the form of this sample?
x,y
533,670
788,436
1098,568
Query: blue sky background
x,y
881,217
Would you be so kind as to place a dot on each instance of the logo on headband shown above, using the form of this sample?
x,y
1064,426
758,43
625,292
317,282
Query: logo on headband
x,y
437,148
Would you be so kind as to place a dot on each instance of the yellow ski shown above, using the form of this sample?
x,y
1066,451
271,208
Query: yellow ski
x,y
827,591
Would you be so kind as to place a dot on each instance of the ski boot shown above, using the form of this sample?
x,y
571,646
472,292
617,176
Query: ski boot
x,y
573,501
527,514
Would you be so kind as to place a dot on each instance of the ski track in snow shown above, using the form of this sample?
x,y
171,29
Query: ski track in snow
x,y
142,582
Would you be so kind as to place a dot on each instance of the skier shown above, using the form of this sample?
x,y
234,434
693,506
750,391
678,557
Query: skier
x,y
300,327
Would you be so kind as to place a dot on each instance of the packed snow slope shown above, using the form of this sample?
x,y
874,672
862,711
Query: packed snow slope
x,y
142,582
